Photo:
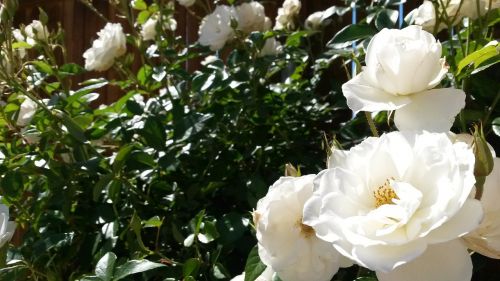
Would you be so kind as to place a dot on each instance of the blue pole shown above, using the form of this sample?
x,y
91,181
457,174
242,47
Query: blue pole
x,y
401,11
353,21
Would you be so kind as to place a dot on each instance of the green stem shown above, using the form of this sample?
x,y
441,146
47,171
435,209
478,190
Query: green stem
x,y
373,129
490,110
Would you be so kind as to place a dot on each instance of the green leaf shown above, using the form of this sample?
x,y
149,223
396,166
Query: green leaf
x,y
21,45
42,16
495,124
91,278
153,222
51,87
478,57
100,185
208,232
12,184
73,128
366,279
154,133
136,225
191,267
143,17
71,69
43,67
219,271
139,5
106,266
254,266
133,267
122,156
295,38
144,74
353,32
386,18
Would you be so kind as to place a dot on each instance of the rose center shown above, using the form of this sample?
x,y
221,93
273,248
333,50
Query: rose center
x,y
305,230
384,194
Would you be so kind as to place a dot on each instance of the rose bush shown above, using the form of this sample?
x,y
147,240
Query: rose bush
x,y
159,184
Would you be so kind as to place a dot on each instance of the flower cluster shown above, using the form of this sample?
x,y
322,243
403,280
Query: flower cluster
x,y
430,14
395,204
287,14
220,26
110,45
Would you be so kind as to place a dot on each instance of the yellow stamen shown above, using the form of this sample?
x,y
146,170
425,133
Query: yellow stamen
x,y
305,230
384,194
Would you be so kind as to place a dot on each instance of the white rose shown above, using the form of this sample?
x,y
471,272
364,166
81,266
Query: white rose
x,y
19,38
287,14
186,3
36,31
390,200
26,112
110,45
316,21
7,227
486,238
401,67
455,10
252,17
267,275
285,243
148,31
272,47
170,24
215,29
425,16
469,8
292,7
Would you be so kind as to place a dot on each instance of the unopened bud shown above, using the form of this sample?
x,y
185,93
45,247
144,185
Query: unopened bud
x,y
484,159
291,171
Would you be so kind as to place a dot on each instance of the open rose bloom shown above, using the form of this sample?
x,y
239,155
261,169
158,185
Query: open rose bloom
x,y
402,69
7,227
398,204
287,245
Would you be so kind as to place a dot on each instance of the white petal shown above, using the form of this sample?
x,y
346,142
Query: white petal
x,y
467,219
385,257
432,110
441,262
361,96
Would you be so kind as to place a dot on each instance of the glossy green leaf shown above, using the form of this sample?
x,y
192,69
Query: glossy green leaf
x,y
386,18
191,267
43,67
478,57
153,222
254,266
353,32
133,267
106,266
495,124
